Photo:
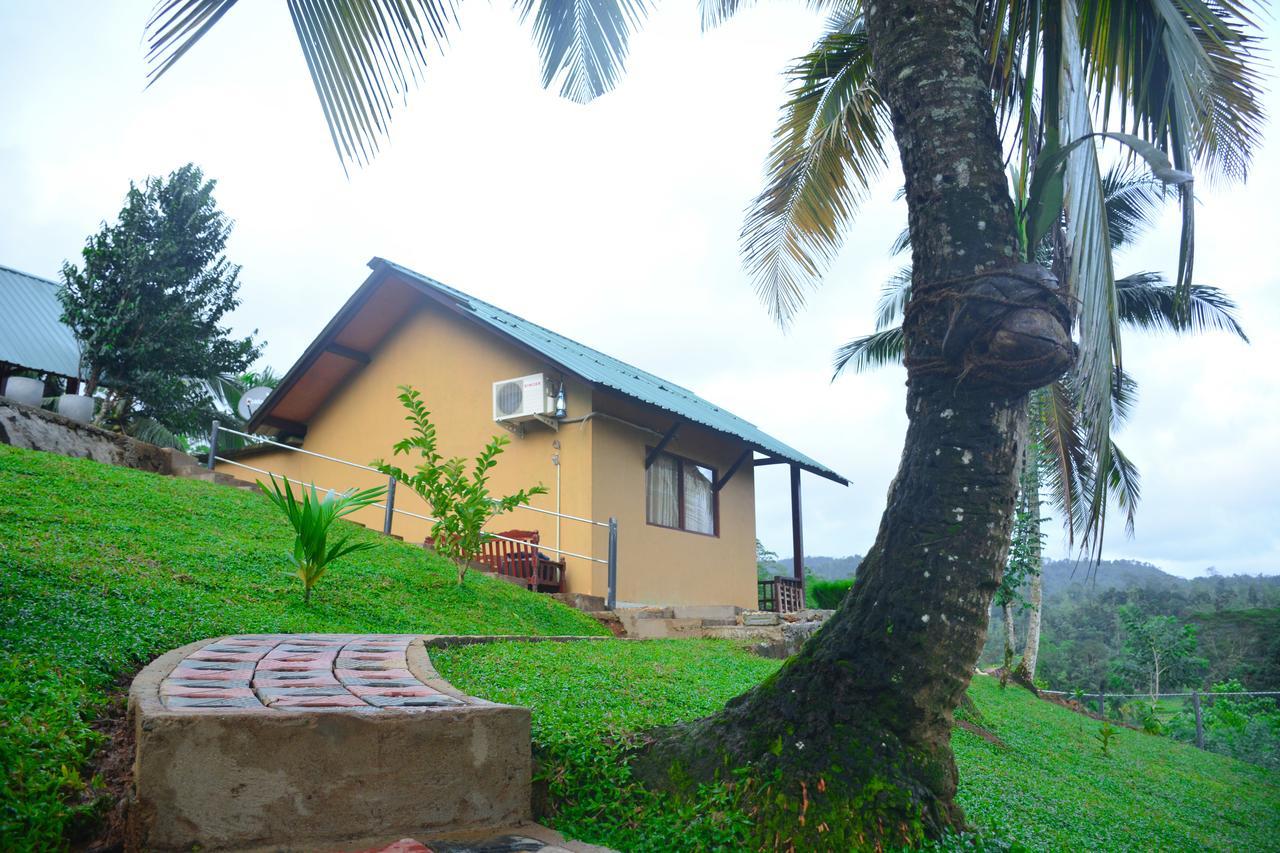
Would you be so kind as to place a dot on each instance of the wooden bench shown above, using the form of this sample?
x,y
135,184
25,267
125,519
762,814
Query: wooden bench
x,y
522,561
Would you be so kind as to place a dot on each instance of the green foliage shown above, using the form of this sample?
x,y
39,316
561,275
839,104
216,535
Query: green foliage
x,y
766,562
1105,735
1045,786
149,303
460,502
826,594
103,568
1159,647
1243,727
311,519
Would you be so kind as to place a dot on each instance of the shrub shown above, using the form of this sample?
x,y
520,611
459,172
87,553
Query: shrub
x,y
460,502
825,594
311,518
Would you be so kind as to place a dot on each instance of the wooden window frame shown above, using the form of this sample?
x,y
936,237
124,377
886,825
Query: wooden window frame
x,y
681,461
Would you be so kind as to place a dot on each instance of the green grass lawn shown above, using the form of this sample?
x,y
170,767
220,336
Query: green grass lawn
x,y
102,569
1047,786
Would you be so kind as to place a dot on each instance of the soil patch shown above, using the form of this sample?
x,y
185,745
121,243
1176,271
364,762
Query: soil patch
x,y
111,768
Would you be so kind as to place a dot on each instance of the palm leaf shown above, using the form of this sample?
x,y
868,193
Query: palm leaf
x,y
828,149
893,299
870,351
1145,301
1133,198
582,42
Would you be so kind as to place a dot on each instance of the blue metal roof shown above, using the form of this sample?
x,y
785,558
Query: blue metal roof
x,y
32,334
604,370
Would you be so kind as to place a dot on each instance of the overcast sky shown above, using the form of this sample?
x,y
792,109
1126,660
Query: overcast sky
x,y
615,224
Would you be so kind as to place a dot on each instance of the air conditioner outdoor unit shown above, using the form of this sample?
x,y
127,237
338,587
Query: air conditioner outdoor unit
x,y
526,398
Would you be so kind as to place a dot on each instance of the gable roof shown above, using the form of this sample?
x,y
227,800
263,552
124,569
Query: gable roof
x,y
593,366
32,334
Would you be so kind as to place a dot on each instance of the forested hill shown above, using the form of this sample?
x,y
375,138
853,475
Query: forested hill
x,y
1219,592
1236,619
828,568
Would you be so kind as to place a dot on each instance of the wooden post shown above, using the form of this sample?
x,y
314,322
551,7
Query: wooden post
x,y
1102,701
1195,704
797,526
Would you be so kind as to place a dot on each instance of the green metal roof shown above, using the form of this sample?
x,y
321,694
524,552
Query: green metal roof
x,y
32,334
603,370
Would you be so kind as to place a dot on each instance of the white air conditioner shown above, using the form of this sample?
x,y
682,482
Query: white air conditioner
x,y
526,398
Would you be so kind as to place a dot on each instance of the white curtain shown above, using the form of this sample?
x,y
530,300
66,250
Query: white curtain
x,y
699,506
662,488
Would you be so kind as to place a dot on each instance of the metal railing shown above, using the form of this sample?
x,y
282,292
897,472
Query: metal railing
x,y
390,509
1195,696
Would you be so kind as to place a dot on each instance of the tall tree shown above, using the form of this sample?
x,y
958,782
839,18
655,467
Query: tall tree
x,y
849,744
148,305
1058,458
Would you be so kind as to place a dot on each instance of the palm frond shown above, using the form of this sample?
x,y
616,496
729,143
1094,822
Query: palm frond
x,y
363,55
1066,462
828,150
1183,74
1124,485
1090,279
869,351
893,299
1145,301
1133,197
716,12
583,42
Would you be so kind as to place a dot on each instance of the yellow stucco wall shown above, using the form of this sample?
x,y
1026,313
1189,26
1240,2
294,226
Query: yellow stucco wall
x,y
658,565
454,363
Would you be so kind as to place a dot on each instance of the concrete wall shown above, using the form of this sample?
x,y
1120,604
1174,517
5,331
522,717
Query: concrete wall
x,y
454,363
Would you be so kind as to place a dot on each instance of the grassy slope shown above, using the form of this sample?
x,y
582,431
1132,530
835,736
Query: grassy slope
x,y
1048,787
102,569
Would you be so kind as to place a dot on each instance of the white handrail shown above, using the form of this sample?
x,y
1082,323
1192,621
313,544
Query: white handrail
x,y
262,440
408,513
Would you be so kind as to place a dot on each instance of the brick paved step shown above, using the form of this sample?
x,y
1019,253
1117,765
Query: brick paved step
x,y
306,741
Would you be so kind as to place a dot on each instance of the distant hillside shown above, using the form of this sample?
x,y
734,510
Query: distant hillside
x,y
1108,574
829,568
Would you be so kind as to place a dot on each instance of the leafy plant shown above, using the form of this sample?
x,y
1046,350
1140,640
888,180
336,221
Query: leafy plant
x,y
311,517
149,305
1105,735
460,501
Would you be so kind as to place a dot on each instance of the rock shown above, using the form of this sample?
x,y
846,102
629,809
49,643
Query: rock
x,y
808,615
758,618
37,429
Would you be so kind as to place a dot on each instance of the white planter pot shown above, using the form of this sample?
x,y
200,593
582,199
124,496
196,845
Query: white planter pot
x,y
76,407
23,389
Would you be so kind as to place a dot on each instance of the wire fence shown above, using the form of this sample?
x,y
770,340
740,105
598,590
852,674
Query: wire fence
x,y
391,510
1197,698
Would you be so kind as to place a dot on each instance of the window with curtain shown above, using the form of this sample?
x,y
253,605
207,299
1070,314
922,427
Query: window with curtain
x,y
678,494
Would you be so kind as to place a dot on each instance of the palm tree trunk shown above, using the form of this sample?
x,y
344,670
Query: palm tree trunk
x,y
1010,641
850,742
1031,646
1035,591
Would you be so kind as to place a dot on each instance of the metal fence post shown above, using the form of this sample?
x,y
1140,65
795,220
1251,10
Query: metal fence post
x,y
391,505
612,600
1195,703
213,444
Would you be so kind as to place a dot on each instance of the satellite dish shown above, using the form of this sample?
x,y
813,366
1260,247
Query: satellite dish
x,y
251,400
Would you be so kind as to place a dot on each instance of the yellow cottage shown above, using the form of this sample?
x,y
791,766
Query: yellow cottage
x,y
607,440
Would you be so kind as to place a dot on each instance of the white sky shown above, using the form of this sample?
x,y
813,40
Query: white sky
x,y
615,224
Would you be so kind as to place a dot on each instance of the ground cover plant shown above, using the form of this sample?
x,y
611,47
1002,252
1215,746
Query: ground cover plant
x,y
1032,774
102,569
